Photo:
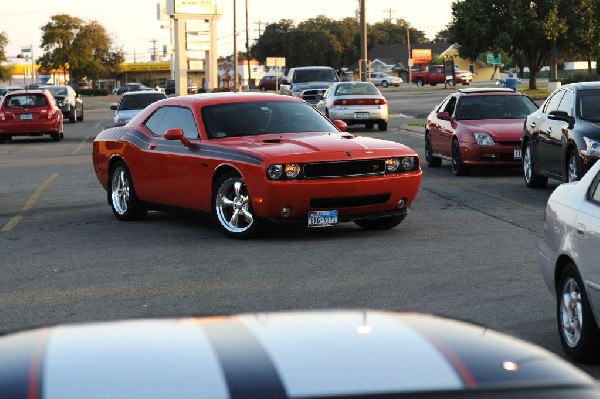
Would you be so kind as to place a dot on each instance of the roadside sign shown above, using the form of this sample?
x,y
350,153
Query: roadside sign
x,y
493,60
275,62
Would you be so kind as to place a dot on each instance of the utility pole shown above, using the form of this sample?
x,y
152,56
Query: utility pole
x,y
153,49
389,11
248,47
235,54
364,62
260,23
409,55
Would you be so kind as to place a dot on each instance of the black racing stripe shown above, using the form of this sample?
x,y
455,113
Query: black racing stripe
x,y
21,364
248,369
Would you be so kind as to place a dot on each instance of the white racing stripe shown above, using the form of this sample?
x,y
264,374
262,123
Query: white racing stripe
x,y
337,353
136,359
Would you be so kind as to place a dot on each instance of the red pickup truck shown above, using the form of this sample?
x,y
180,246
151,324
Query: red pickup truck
x,y
435,74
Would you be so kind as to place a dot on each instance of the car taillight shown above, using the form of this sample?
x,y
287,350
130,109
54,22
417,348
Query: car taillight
x,y
2,117
360,101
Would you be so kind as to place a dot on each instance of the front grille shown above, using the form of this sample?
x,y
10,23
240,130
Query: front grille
x,y
349,202
509,143
312,96
344,168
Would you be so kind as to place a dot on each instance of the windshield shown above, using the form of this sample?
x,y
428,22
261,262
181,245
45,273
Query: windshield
x,y
140,101
494,107
589,105
315,75
356,89
26,101
248,119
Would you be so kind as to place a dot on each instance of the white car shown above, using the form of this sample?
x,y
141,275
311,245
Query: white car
x,y
385,80
570,262
132,103
356,103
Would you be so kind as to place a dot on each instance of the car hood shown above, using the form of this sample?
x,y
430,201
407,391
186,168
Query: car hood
x,y
312,85
506,129
319,146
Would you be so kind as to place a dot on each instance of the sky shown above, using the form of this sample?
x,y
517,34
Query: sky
x,y
134,26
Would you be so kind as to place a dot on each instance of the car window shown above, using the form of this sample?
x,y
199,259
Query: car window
x,y
594,192
140,101
554,101
26,101
443,104
315,75
494,107
356,89
450,105
566,104
170,117
589,105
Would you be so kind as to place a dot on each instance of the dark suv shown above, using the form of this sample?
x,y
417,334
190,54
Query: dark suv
x,y
562,138
308,83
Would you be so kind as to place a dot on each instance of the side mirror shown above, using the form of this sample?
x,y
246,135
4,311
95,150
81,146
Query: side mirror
x,y
114,107
340,125
561,116
443,116
176,134
285,81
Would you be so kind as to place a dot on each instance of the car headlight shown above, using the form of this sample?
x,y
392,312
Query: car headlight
x,y
483,138
403,164
592,147
289,171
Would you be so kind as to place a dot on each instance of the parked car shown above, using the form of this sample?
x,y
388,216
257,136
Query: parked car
x,y
250,158
4,90
384,80
477,127
569,258
69,101
132,103
269,82
301,354
82,86
308,83
30,113
435,74
192,88
355,103
127,87
562,138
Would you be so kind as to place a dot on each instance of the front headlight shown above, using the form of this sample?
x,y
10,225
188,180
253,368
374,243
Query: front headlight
x,y
274,172
287,171
592,147
483,138
404,164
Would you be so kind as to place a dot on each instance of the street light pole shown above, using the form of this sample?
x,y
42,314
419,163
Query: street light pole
x,y
364,75
235,55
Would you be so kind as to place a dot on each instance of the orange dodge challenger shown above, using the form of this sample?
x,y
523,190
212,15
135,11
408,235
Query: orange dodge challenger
x,y
250,158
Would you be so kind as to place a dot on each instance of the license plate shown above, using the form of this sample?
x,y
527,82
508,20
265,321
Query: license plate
x,y
517,153
322,218
361,115
26,117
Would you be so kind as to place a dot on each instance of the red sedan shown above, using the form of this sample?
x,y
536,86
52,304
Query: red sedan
x,y
250,158
30,113
477,127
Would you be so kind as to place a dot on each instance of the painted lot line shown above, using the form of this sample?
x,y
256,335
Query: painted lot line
x,y
29,204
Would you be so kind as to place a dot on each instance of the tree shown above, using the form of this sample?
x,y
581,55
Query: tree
x,y
5,73
583,32
84,49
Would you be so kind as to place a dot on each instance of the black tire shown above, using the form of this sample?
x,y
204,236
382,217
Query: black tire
x,y
80,117
577,328
121,194
369,125
382,126
232,207
55,136
573,168
432,162
532,179
72,116
384,223
458,167
420,82
384,83
3,138
263,88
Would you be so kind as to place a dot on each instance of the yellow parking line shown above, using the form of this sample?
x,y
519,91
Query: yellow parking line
x,y
80,146
503,198
29,204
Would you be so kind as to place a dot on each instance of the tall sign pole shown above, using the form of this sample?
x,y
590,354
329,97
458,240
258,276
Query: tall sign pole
x,y
364,62
235,55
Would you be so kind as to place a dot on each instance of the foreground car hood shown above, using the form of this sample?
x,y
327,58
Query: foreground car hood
x,y
506,129
320,146
277,355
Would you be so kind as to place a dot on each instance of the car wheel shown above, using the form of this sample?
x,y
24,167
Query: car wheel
x,y
382,126
232,207
55,136
80,117
4,138
532,179
458,167
384,223
573,169
384,84
263,88
369,125
125,204
72,117
420,82
577,328
432,162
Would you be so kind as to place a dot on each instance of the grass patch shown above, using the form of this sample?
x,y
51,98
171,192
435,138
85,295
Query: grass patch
x,y
416,123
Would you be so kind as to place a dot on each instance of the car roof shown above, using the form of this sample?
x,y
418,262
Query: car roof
x,y
218,98
583,85
143,92
486,90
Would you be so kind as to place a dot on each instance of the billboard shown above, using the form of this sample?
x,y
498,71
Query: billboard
x,y
195,7
421,56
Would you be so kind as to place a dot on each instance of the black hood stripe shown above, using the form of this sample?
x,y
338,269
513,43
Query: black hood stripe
x,y
249,371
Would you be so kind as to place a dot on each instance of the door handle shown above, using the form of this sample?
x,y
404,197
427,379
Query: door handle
x,y
549,130
533,125
580,229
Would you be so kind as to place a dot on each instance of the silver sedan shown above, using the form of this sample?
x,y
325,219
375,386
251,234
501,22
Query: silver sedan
x,y
570,262
356,103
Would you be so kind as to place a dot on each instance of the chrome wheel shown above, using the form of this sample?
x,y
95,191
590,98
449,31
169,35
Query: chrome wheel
x,y
573,169
120,190
571,314
232,207
527,165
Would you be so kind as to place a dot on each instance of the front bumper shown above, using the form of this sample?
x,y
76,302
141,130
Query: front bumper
x,y
498,154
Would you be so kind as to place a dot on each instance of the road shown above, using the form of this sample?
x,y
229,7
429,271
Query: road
x,y
467,250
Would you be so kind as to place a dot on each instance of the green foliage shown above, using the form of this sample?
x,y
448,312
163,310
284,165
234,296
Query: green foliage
x,y
5,73
3,43
83,48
